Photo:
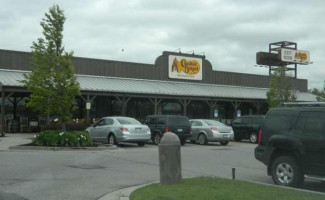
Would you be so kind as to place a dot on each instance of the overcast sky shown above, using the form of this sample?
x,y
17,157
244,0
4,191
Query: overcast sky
x,y
229,32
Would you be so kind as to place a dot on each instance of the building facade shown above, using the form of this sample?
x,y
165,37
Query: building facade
x,y
176,83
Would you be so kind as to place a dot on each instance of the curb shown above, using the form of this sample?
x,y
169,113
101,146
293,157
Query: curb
x,y
99,148
124,194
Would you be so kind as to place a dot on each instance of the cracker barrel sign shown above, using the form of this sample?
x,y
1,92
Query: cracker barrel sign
x,y
295,56
181,67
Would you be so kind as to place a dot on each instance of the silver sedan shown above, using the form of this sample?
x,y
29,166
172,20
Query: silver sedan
x,y
119,129
205,130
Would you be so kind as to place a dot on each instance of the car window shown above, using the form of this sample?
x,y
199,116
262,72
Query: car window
x,y
161,121
196,123
101,122
178,121
311,124
245,120
213,123
151,120
279,121
257,120
109,121
125,121
237,121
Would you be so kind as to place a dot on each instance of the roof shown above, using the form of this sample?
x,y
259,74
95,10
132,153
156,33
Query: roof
x,y
12,78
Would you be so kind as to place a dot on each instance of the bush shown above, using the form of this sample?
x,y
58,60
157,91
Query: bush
x,y
56,138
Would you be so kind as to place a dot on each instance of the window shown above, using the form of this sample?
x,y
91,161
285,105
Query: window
x,y
257,120
125,121
214,123
196,123
237,121
178,121
151,120
109,121
162,121
311,123
279,121
245,120
101,122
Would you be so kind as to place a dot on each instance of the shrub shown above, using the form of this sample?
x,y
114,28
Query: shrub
x,y
57,138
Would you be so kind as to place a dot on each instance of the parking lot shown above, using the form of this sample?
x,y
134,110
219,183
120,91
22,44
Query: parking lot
x,y
92,174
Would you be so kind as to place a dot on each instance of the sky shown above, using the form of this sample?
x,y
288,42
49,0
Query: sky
x,y
228,32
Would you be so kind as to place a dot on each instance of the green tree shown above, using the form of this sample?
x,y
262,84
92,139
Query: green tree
x,y
52,83
281,89
320,94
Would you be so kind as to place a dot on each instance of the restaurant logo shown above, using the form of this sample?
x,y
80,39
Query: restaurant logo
x,y
185,68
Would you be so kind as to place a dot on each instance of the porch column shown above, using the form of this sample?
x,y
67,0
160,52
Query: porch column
x,y
155,102
3,101
88,105
236,104
184,103
212,104
258,106
124,102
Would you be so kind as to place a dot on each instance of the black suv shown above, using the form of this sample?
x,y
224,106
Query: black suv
x,y
160,124
247,127
292,144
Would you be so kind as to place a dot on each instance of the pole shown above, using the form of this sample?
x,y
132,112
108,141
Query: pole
x,y
3,107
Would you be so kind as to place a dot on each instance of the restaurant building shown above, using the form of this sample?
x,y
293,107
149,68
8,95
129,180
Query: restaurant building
x,y
177,83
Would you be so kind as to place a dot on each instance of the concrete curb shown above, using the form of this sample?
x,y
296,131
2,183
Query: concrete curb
x,y
124,194
99,148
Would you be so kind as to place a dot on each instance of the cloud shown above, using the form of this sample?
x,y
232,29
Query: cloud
x,y
228,32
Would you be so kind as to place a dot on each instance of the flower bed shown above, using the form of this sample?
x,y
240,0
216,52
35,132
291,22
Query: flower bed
x,y
62,139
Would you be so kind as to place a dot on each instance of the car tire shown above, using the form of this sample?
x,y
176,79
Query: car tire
x,y
202,139
141,144
285,171
183,141
156,138
112,139
253,137
224,143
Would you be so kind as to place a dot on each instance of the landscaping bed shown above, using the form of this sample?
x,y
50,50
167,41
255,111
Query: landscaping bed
x,y
216,188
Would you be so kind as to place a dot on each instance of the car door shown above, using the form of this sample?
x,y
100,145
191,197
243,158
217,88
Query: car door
x,y
310,127
151,122
237,125
196,127
105,129
95,132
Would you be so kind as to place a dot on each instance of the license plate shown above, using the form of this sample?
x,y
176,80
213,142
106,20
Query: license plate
x,y
180,130
226,136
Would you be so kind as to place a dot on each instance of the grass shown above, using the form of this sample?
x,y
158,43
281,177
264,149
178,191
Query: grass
x,y
222,189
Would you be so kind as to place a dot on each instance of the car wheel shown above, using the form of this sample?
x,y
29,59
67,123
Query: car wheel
x,y
203,139
156,138
183,141
224,143
285,171
141,144
112,139
253,137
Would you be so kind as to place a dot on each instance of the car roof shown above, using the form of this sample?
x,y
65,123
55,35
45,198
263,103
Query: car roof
x,y
166,116
252,116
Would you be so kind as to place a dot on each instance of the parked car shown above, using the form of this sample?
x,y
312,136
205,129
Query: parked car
x,y
160,124
247,127
205,130
119,129
292,144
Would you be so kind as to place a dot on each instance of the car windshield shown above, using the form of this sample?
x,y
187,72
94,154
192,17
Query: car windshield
x,y
178,121
213,123
125,121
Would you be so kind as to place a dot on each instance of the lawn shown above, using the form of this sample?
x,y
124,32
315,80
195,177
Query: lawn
x,y
221,189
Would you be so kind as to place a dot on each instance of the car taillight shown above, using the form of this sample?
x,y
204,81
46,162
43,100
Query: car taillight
x,y
214,128
167,130
124,129
259,136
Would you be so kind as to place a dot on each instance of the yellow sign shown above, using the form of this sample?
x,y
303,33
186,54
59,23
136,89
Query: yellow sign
x,y
183,67
186,66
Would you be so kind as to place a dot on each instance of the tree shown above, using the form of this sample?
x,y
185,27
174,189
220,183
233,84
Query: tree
x,y
320,94
281,89
52,83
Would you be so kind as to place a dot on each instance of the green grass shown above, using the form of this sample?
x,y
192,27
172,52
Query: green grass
x,y
219,189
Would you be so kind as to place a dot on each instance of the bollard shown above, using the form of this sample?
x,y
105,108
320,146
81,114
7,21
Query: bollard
x,y
170,159
233,173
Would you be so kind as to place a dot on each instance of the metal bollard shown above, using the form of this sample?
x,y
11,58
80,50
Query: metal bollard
x,y
170,159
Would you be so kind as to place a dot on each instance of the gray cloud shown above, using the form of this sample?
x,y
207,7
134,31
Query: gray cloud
x,y
229,32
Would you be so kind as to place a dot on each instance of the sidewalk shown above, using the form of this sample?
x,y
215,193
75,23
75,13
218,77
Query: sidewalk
x,y
14,139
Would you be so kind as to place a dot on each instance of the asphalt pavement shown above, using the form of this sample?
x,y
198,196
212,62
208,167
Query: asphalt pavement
x,y
90,175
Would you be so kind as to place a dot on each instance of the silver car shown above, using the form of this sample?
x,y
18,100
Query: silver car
x,y
119,129
206,130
